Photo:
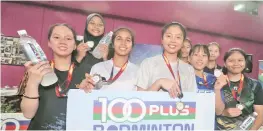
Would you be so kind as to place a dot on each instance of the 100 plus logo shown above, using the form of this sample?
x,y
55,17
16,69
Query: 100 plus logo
x,y
134,110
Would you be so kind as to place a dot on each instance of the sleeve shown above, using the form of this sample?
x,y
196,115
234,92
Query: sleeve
x,y
93,69
258,100
192,86
143,75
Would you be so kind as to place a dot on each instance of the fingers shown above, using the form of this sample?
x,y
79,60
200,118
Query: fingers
x,y
234,112
28,65
83,47
87,84
172,93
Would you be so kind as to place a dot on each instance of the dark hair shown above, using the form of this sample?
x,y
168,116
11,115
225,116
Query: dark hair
x,y
121,29
214,43
174,24
111,49
50,31
180,51
230,52
197,47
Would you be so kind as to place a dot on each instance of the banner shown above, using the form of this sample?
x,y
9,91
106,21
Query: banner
x,y
139,111
13,121
143,51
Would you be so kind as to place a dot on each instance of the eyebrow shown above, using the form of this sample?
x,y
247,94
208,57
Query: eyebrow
x,y
173,34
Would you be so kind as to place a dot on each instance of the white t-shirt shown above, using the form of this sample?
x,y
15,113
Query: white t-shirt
x,y
125,82
154,68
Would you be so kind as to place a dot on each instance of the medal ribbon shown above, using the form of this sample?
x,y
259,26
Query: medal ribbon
x,y
58,89
205,80
171,70
112,79
237,93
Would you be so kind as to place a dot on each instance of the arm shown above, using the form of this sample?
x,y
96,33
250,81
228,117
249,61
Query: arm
x,y
192,86
82,49
29,106
36,72
143,76
259,120
258,107
219,104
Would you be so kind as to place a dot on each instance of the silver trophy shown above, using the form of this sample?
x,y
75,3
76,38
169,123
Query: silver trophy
x,y
34,53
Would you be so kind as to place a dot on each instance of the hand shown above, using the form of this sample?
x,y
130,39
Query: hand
x,y
82,49
87,84
104,50
172,86
220,82
233,112
37,71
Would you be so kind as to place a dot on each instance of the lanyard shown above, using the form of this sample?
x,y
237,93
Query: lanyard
x,y
59,91
171,70
237,92
112,79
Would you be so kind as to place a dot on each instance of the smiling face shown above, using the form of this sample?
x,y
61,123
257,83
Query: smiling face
x,y
95,26
172,40
199,58
123,43
235,63
214,52
62,41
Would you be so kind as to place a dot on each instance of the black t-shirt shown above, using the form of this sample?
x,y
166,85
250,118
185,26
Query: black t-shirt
x,y
252,94
211,71
85,65
51,113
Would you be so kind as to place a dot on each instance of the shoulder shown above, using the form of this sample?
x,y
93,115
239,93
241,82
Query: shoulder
x,y
101,64
186,67
133,66
253,83
152,60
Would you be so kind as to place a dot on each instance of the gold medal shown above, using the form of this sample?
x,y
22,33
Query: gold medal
x,y
179,105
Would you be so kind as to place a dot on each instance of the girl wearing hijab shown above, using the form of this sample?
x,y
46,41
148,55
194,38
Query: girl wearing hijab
x,y
94,31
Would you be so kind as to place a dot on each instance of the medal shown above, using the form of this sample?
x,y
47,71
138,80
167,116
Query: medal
x,y
217,73
99,81
235,88
240,106
90,44
179,105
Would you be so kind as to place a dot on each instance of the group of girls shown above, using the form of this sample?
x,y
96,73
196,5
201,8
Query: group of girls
x,y
182,67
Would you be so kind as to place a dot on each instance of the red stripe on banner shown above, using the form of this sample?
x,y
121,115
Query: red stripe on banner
x,y
13,127
118,110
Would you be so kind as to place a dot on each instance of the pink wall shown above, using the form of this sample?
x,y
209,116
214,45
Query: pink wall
x,y
15,17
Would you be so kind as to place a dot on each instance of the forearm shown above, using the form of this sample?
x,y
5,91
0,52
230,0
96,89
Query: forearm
x,y
258,122
79,58
29,106
219,105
